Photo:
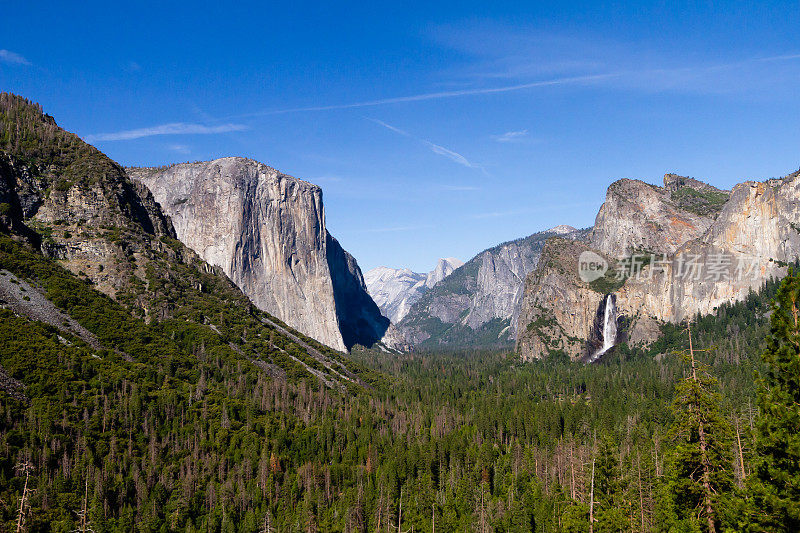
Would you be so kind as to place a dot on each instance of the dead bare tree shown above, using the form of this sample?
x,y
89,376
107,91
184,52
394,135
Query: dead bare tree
x,y
400,516
83,514
267,524
24,467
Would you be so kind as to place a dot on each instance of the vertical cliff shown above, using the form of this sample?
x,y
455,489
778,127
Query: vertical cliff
x,y
557,309
644,217
360,320
266,230
754,237
72,223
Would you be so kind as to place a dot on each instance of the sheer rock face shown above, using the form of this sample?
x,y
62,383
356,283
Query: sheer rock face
x,y
478,304
752,239
266,230
750,234
396,289
360,319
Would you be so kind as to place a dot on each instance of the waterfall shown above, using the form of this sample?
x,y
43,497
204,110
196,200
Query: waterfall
x,y
609,328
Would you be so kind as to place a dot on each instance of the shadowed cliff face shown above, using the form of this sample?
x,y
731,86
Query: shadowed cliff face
x,y
266,230
360,320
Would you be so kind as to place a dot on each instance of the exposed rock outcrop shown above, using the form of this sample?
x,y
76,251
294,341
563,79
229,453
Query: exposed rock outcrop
x,y
396,289
643,217
76,205
557,309
266,230
478,303
754,237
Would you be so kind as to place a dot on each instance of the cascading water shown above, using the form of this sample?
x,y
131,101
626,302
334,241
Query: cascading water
x,y
609,328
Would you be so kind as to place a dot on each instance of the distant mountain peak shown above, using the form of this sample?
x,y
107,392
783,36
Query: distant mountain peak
x,y
396,289
562,229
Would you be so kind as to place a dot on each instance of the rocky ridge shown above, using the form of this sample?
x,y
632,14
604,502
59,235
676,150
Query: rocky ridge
x,y
90,249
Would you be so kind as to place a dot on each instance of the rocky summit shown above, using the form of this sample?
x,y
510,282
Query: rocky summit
x,y
266,230
90,253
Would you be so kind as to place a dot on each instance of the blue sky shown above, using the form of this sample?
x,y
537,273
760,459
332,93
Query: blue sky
x,y
435,129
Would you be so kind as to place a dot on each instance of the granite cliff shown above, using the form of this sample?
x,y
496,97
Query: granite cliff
x,y
639,216
266,230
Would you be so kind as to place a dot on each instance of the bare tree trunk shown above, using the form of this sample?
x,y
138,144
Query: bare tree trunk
x,y
641,496
591,501
26,468
400,511
572,470
741,455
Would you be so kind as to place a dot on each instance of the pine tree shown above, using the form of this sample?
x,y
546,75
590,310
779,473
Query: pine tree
x,y
700,483
609,502
776,483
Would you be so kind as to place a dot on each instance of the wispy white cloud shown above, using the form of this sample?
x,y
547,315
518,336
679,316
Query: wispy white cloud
x,y
564,60
441,94
510,136
449,154
392,128
435,148
7,56
180,148
787,57
175,128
